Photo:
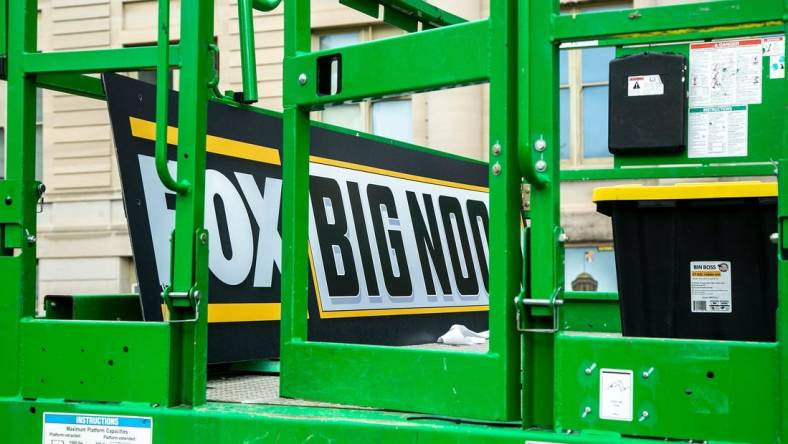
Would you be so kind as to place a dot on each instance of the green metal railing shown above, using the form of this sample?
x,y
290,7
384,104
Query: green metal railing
x,y
546,381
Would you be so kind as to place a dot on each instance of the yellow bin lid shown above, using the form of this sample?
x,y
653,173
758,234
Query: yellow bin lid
x,y
710,190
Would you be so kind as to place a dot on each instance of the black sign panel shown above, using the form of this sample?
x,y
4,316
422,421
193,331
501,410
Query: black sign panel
x,y
398,234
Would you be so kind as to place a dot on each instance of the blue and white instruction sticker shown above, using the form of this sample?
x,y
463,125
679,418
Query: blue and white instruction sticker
x,y
67,428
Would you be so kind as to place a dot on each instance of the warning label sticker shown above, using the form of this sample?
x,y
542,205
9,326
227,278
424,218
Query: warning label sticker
x,y
645,86
615,394
726,73
66,428
710,287
774,48
718,132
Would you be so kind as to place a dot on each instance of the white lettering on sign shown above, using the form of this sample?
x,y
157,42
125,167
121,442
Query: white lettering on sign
x,y
376,241
67,428
640,86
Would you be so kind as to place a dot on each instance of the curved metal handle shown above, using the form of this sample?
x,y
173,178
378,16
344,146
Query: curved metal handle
x,y
528,167
162,102
248,58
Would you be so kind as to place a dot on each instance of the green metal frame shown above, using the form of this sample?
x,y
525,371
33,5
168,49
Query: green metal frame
x,y
529,386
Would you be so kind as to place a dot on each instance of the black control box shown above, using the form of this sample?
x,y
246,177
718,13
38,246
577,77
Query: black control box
x,y
648,104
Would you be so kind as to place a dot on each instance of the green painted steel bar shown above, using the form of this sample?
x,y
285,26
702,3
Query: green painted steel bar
x,y
505,264
248,57
586,26
18,271
190,256
97,60
539,146
406,14
460,50
295,192
76,84
676,172
163,102
496,394
782,277
263,424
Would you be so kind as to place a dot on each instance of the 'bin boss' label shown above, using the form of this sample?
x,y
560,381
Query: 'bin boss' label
x,y
710,287
67,428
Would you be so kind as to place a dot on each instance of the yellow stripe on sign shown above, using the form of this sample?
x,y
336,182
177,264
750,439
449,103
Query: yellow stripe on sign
x,y
222,313
145,129
397,174
401,311
225,313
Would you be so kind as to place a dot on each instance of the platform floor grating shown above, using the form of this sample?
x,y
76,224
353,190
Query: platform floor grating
x,y
264,389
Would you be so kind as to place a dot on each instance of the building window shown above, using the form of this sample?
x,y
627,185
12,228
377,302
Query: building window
x,y
584,78
584,105
391,118
39,136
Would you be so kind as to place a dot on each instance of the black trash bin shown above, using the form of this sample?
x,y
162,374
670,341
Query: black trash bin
x,y
695,260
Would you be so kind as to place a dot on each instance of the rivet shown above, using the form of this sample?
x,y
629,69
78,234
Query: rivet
x,y
647,373
540,145
774,238
590,369
8,200
203,238
586,411
302,79
497,169
562,238
496,149
643,416
541,166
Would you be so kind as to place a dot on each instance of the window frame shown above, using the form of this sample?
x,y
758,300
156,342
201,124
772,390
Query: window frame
x,y
366,33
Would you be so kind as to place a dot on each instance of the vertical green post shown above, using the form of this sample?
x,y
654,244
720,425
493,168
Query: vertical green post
x,y
505,197
782,287
18,273
248,56
190,261
540,161
295,185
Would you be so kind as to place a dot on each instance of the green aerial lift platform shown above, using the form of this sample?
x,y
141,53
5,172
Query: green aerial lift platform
x,y
539,382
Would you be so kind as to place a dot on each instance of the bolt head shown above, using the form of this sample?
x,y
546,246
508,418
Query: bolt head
x,y
589,371
31,240
540,145
541,166
496,149
302,79
562,238
8,200
497,169
775,238
644,414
